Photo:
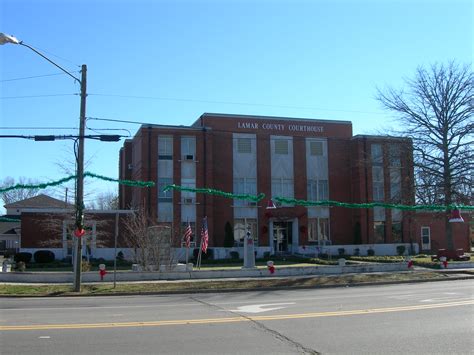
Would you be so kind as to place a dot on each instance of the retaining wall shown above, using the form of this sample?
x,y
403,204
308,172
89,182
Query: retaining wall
x,y
67,277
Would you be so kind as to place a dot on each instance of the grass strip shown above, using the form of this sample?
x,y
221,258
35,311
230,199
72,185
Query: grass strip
x,y
213,285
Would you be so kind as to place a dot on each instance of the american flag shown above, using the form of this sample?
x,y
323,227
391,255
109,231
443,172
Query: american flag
x,y
204,235
188,232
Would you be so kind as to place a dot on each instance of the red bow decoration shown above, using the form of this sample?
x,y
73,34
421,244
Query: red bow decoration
x,y
79,232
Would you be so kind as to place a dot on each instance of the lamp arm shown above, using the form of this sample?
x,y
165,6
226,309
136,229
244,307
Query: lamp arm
x,y
49,60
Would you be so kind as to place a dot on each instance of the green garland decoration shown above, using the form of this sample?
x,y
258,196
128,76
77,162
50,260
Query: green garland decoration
x,y
329,203
72,177
5,219
248,197
204,190
325,203
135,183
38,186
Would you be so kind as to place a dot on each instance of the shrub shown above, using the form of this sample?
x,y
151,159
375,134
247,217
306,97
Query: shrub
x,y
421,256
120,256
234,254
370,252
86,266
228,236
323,262
401,249
357,233
24,257
379,259
266,255
44,256
67,259
204,256
9,253
427,264
20,266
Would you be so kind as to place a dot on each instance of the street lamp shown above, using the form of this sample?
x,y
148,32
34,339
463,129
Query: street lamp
x,y
79,210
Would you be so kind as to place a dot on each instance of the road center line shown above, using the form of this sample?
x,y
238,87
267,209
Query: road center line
x,y
233,319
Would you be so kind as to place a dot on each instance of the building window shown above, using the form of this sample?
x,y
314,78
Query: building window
x,y
377,183
395,184
323,193
316,148
318,230
396,233
244,186
281,146
379,232
69,244
394,155
164,196
165,147
241,228
425,238
282,187
317,190
190,183
188,147
377,155
244,145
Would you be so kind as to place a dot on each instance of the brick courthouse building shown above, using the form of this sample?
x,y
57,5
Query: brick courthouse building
x,y
302,159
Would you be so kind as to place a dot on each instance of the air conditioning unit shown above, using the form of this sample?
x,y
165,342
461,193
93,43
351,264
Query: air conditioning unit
x,y
252,204
188,157
188,200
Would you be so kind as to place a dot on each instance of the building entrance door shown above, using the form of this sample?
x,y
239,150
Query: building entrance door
x,y
282,236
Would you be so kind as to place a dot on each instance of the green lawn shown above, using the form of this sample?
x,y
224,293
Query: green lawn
x,y
213,285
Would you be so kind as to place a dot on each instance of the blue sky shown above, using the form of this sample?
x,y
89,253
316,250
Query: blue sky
x,y
167,62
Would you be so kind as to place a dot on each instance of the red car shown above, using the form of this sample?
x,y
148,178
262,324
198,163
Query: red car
x,y
450,254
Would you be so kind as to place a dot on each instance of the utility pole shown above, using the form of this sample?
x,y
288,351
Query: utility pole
x,y
79,207
80,181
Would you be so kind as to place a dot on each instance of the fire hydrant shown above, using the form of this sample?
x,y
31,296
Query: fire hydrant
x,y
444,261
102,271
270,267
410,263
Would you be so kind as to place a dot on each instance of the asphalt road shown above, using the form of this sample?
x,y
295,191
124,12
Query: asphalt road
x,y
424,318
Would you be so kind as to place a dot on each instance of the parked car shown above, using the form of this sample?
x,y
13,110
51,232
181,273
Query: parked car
x,y
450,254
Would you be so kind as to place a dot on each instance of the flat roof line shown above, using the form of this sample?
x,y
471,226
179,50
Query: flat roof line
x,y
230,115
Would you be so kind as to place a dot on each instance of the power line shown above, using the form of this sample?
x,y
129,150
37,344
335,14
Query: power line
x,y
98,130
231,103
38,127
121,121
34,96
31,77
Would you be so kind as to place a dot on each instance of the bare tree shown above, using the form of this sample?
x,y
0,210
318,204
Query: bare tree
x,y
20,193
105,201
437,113
151,244
67,166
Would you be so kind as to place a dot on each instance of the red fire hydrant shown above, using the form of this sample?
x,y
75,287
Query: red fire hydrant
x,y
410,263
444,261
270,267
102,271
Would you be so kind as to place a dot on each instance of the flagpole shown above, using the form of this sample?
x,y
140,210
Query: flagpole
x,y
187,246
199,255
187,255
